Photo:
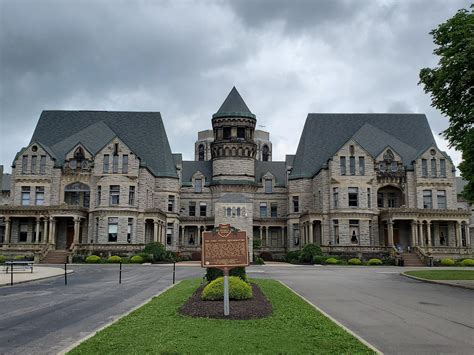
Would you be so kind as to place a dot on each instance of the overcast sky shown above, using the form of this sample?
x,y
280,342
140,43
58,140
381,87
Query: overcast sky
x,y
286,58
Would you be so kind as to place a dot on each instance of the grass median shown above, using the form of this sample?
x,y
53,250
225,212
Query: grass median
x,y
295,327
443,274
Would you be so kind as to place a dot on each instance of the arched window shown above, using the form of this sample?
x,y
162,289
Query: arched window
x,y
229,211
77,194
79,154
238,211
265,153
201,152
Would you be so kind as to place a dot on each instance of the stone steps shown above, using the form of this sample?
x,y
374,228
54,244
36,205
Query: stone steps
x,y
55,257
410,259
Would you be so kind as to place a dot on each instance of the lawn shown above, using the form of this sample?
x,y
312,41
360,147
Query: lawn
x,y
295,327
443,274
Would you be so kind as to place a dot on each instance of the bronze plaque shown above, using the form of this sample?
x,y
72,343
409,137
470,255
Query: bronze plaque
x,y
224,248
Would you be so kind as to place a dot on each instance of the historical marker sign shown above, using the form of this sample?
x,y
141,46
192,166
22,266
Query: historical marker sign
x,y
224,248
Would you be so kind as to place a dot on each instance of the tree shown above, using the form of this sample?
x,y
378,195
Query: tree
x,y
451,86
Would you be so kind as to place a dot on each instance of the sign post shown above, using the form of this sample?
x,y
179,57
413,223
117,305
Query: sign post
x,y
226,292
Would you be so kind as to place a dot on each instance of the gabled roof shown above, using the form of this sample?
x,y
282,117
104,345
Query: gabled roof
x,y
191,167
276,168
234,105
142,132
325,133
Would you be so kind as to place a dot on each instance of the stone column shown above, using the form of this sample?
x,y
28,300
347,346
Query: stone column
x,y
45,230
428,233
261,235
198,241
77,227
267,239
421,240
37,232
7,230
311,235
155,230
468,235
52,230
458,234
283,239
413,234
390,233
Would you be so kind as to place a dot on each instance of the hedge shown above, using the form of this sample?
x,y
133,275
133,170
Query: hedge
x,y
354,261
114,259
238,289
93,259
447,262
136,259
331,261
467,262
374,261
213,273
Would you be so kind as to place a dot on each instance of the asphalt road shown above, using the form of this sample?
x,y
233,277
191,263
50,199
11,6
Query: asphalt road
x,y
396,314
45,317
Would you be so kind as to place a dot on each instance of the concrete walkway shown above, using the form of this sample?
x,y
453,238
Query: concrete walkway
x,y
39,272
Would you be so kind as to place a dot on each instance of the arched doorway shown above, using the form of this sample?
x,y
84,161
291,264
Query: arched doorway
x,y
77,194
390,196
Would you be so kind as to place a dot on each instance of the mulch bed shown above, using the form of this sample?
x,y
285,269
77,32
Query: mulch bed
x,y
257,307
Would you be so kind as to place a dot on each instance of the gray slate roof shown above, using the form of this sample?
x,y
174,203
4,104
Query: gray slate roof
x,y
276,168
460,183
324,134
191,167
142,132
6,182
234,105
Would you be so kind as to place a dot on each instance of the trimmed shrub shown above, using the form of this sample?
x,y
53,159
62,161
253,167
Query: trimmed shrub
x,y
93,259
136,259
147,258
259,261
292,255
157,250
354,261
114,259
238,289
309,252
331,261
19,257
2,259
213,273
374,261
465,262
320,259
447,262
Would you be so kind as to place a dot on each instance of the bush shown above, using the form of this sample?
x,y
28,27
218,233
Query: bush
x,y
93,259
19,257
292,255
331,261
257,243
465,262
157,250
146,258
320,259
309,252
354,261
213,273
2,259
374,261
238,289
114,259
136,259
259,261
447,262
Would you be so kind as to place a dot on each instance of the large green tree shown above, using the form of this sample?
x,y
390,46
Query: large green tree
x,y
451,86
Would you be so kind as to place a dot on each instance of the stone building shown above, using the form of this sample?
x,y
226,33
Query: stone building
x,y
107,182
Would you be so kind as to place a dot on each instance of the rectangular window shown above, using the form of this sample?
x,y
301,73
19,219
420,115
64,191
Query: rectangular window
x,y
263,209
23,233
125,164
24,164
394,166
113,229
392,200
114,194
342,165
424,168
170,203
39,196
130,230
433,168
106,163
296,234
131,195
361,165
274,210
115,160
335,196
99,195
241,132
380,199
192,208
202,209
369,198
198,185
354,230
169,233
226,132
268,186
296,204
34,161
353,195
25,195
441,197
427,199
335,224
352,165
442,167
42,164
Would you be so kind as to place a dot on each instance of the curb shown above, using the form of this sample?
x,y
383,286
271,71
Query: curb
x,y
114,320
38,279
358,337
438,282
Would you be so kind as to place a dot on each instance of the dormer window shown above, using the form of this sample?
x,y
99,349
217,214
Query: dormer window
x,y
268,186
198,185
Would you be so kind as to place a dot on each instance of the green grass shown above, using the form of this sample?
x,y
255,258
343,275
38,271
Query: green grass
x,y
295,327
443,274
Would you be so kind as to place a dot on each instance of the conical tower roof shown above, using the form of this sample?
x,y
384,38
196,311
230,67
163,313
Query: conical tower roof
x,y
233,106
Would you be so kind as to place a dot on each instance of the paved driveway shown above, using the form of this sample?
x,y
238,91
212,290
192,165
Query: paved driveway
x,y
44,317
396,314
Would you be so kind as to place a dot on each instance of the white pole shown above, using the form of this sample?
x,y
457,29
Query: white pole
x,y
226,292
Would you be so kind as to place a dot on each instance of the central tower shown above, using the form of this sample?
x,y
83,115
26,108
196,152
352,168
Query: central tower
x,y
234,149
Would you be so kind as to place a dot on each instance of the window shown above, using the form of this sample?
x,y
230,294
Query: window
x,y
392,200
192,208
39,196
25,195
115,164
383,166
265,153
114,194
427,199
274,210
116,148
113,229
229,212
96,230
380,200
23,233
342,164
441,197
354,231
226,133
129,230
34,160
125,164
335,224
335,196
99,195
352,165
296,204
361,166
263,209
24,164
42,164
202,209
131,195
106,163
169,233
424,168
170,203
433,168
442,167
268,186
201,152
198,185
296,234
369,198
241,132
353,194
394,166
